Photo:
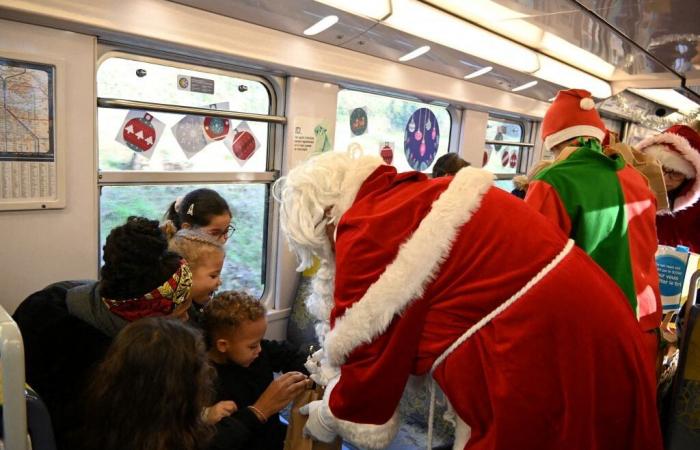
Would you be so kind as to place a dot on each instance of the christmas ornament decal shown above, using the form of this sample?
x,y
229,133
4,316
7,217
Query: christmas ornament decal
x,y
505,158
193,133
189,134
421,139
242,142
387,152
216,128
513,160
358,121
140,132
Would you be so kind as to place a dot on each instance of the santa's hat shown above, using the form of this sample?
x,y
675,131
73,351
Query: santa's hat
x,y
678,148
572,114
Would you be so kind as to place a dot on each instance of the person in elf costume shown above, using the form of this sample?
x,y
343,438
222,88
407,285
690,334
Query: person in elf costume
x,y
678,151
602,203
430,277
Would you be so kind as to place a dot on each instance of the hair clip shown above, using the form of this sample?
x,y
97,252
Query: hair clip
x,y
190,210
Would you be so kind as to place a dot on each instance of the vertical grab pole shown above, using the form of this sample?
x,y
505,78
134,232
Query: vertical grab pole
x,y
14,412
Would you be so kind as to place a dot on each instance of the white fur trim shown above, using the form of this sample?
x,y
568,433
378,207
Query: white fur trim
x,y
586,104
369,436
690,154
416,264
572,132
671,159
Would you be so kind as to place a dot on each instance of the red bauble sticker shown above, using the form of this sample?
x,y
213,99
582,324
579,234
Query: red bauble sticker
x,y
387,153
243,145
138,133
505,158
513,160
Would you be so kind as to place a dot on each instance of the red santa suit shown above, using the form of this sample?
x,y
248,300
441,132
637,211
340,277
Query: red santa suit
x,y
678,149
419,262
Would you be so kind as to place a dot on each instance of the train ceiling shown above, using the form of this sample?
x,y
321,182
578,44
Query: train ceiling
x,y
606,46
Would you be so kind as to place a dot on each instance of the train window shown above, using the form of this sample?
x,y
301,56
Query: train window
x,y
179,142
507,146
156,142
407,134
244,266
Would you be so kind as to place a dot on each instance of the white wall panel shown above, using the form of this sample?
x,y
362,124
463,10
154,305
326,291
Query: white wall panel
x,y
42,246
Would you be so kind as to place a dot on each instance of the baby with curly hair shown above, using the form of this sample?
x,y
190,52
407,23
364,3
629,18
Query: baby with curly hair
x,y
234,325
205,255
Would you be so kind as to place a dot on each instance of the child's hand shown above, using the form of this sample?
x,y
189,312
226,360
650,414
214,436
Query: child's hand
x,y
220,410
281,391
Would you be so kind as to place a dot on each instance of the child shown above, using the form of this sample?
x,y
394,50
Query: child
x,y
202,209
205,255
68,326
234,325
149,392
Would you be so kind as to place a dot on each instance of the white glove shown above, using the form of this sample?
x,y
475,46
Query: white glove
x,y
319,370
319,424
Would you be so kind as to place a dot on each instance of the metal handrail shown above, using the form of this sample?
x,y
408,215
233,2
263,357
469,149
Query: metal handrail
x,y
115,103
14,409
509,143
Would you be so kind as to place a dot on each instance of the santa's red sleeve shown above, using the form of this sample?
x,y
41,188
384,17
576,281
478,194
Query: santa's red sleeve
x,y
544,198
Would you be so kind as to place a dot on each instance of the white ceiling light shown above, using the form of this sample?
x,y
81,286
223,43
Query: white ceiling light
x,y
572,78
374,9
415,53
321,25
573,54
522,87
419,19
552,99
668,97
478,73
514,25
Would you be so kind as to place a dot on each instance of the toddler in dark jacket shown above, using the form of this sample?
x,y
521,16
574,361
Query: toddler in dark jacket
x,y
234,324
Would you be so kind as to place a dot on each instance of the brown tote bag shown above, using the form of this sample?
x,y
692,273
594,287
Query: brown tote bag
x,y
295,439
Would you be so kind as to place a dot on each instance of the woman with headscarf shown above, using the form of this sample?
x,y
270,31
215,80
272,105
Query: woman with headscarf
x,y
68,326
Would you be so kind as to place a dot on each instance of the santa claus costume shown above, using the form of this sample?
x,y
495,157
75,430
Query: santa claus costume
x,y
678,149
602,203
532,343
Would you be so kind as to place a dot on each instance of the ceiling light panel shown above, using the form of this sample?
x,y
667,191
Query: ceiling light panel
x,y
479,72
415,53
321,25
668,97
421,20
514,25
572,78
373,9
522,87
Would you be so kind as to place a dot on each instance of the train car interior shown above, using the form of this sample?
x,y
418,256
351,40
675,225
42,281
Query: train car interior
x,y
112,109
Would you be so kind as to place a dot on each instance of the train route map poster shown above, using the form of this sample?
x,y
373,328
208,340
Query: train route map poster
x,y
27,144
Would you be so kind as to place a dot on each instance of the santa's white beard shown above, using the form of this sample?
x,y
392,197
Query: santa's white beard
x,y
320,303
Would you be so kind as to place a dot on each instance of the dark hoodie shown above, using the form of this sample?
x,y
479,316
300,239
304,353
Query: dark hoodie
x,y
66,331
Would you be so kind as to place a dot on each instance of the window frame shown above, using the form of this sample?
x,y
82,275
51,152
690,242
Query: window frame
x,y
525,146
275,87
